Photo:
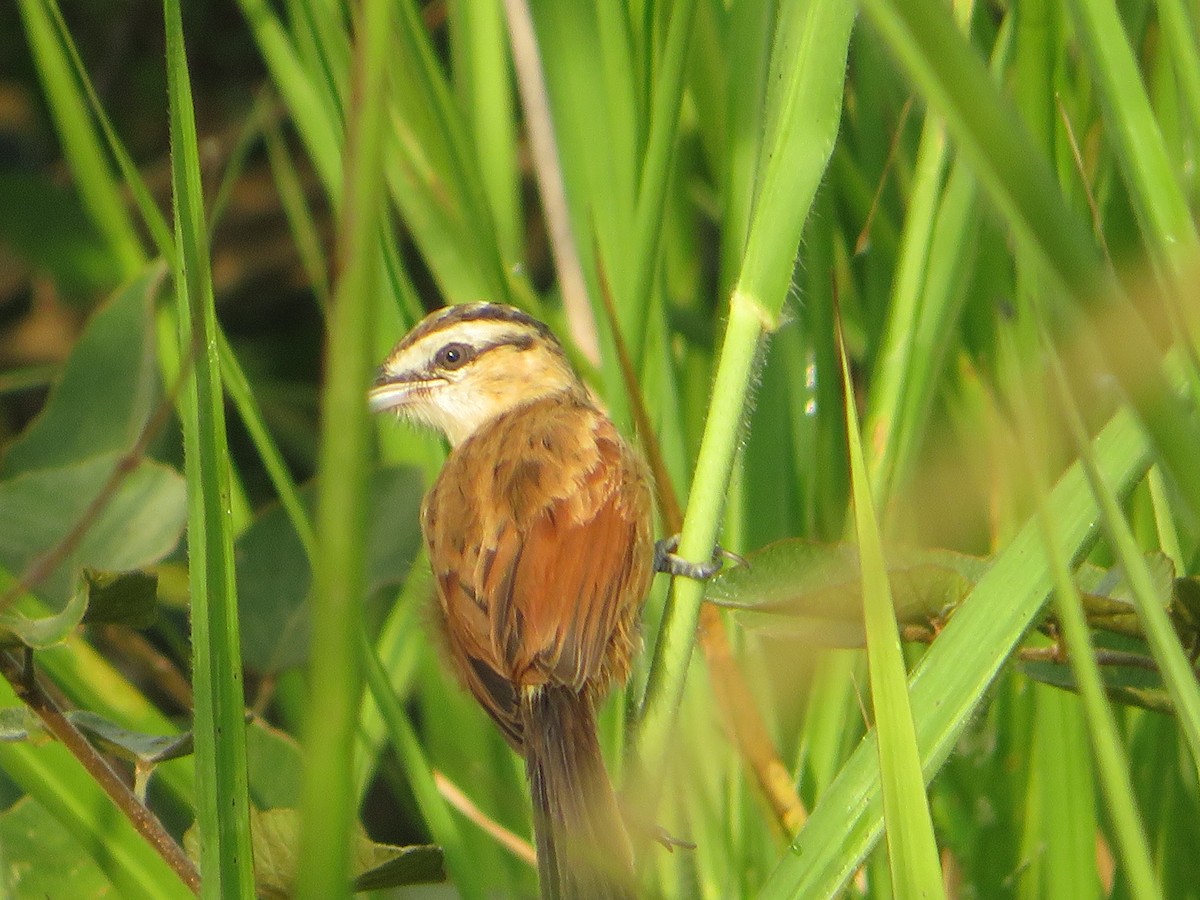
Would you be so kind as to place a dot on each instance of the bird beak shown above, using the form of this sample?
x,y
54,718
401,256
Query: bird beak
x,y
394,392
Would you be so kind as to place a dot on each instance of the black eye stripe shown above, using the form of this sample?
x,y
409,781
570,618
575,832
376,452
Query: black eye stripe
x,y
465,353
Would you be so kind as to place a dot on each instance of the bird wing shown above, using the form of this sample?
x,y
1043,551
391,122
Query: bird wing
x,y
545,519
572,560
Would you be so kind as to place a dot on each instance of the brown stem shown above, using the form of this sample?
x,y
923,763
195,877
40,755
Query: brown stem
x,y
1103,657
548,175
29,689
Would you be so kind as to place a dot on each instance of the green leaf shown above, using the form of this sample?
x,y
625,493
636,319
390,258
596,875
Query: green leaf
x,y
275,834
275,764
132,746
42,633
422,864
125,598
813,590
1108,598
139,525
48,227
107,389
1130,685
275,579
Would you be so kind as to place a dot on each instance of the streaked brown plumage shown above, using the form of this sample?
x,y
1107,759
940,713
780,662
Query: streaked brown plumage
x,y
538,530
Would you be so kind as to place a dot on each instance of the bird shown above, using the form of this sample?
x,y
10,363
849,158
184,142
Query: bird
x,y
539,535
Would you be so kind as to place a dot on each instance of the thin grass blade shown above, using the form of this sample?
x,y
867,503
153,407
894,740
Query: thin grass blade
x,y
912,849
222,802
339,575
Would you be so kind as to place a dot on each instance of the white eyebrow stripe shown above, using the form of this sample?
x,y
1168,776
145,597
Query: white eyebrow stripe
x,y
478,333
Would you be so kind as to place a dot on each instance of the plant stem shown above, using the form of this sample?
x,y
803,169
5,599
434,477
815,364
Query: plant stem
x,y
26,685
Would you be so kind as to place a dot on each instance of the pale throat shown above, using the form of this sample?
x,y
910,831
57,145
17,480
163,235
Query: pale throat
x,y
462,414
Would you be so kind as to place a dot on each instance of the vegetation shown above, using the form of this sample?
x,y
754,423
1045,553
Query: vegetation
x,y
973,220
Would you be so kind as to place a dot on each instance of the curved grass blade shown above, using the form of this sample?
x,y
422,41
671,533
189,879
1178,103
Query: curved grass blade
x,y
954,676
912,849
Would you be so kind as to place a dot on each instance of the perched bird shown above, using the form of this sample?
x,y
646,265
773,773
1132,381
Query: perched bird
x,y
539,536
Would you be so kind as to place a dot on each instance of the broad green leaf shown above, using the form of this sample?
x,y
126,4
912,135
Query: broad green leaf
x,y
810,590
275,834
139,525
48,227
273,758
398,866
274,577
813,591
39,634
107,388
1130,685
126,598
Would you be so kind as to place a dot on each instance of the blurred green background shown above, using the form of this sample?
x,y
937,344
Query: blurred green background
x,y
217,217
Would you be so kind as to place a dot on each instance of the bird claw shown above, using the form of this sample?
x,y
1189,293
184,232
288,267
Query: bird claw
x,y
670,842
669,563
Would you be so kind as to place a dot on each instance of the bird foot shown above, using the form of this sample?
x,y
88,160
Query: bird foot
x,y
669,563
670,842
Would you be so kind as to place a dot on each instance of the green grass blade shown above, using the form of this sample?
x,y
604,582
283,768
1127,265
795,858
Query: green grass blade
x,y
339,576
954,676
1058,826
479,46
656,167
433,173
303,226
320,33
80,143
811,43
55,778
464,871
240,392
803,112
398,650
1179,31
1111,760
222,802
1169,654
1132,130
898,360
156,224
930,47
315,124
912,849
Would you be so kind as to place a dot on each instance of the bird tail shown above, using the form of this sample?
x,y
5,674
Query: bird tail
x,y
583,851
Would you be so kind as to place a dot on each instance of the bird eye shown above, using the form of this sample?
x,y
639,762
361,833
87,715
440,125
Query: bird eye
x,y
454,356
